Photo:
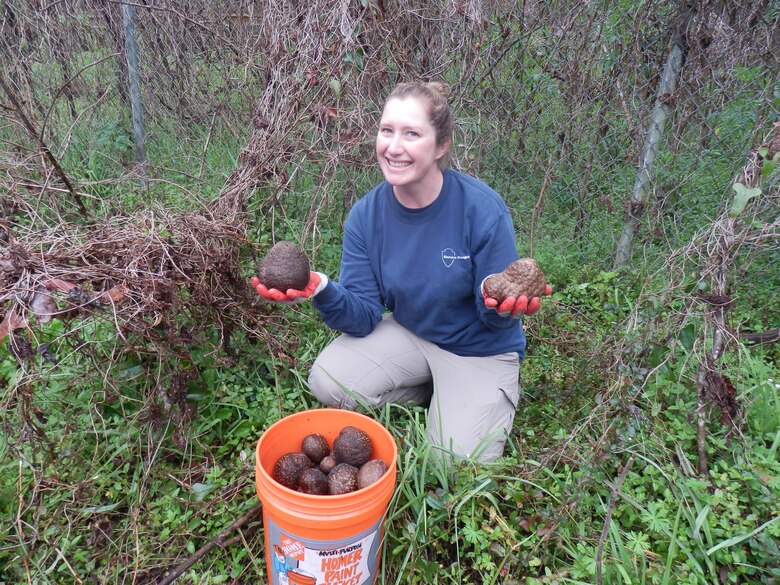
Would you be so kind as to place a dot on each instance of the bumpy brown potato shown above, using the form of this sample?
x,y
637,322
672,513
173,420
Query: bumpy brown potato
x,y
288,469
327,464
342,479
371,472
315,447
352,446
284,267
521,277
314,482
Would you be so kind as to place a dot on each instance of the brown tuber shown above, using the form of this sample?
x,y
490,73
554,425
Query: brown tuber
x,y
371,472
315,447
342,479
318,470
313,481
352,446
328,462
288,469
284,267
521,277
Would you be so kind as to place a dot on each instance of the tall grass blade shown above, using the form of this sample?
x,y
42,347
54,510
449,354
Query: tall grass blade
x,y
742,537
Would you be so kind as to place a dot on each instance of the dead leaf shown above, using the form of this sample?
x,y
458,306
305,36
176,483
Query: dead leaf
x,y
43,305
544,531
58,284
113,295
12,321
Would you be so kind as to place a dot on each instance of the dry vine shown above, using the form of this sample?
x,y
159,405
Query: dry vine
x,y
718,255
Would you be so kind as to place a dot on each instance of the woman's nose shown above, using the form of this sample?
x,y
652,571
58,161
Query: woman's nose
x,y
395,144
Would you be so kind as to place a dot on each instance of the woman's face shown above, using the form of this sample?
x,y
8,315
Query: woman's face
x,y
406,145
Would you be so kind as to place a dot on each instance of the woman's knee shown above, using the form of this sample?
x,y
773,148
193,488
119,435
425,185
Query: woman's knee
x,y
369,371
326,389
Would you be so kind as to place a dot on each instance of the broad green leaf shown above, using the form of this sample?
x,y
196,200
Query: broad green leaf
x,y
769,165
741,199
201,490
688,336
335,86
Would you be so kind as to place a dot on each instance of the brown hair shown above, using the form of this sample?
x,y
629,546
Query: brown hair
x,y
434,95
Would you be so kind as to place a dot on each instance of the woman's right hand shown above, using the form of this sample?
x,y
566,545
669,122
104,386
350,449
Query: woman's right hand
x,y
317,282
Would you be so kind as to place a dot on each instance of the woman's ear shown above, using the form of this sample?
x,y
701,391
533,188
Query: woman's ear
x,y
442,149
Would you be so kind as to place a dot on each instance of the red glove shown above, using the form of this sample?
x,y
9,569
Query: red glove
x,y
317,282
516,307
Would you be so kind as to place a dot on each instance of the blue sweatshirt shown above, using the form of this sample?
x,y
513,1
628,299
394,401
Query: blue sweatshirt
x,y
426,267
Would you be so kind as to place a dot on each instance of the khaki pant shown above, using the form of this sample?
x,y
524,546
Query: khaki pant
x,y
472,399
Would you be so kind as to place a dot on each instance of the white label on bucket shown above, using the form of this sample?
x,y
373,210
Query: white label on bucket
x,y
300,561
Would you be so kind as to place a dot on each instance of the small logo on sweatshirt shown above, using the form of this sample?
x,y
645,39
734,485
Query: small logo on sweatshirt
x,y
448,256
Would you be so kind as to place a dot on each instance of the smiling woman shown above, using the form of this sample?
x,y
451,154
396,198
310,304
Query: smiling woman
x,y
410,149
416,325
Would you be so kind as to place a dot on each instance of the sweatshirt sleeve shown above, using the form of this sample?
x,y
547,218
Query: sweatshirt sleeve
x,y
354,304
496,251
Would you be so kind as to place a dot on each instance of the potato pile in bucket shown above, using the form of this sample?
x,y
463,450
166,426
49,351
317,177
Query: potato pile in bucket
x,y
317,469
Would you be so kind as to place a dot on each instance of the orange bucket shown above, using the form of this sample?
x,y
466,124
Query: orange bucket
x,y
297,578
321,540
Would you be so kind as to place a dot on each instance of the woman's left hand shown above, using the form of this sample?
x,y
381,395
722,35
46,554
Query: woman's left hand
x,y
516,307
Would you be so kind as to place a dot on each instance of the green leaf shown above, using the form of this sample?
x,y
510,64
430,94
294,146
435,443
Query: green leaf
x,y
355,59
701,518
130,372
201,490
99,509
737,539
434,502
741,199
658,354
769,165
688,336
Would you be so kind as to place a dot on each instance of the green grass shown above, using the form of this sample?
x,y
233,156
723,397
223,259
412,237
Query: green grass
x,y
98,478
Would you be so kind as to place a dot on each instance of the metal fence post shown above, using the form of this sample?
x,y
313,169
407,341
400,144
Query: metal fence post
x,y
131,52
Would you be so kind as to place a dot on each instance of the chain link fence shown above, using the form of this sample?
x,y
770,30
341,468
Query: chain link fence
x,y
554,103
614,130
